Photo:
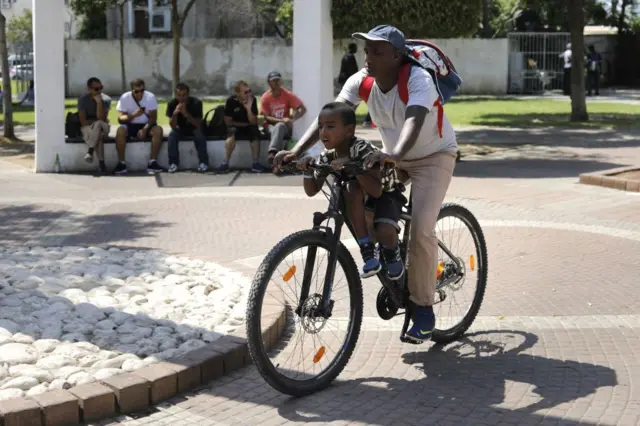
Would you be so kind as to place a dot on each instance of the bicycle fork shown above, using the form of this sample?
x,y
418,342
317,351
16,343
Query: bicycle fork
x,y
325,308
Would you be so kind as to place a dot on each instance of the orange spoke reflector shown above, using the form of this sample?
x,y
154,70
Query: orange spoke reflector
x,y
289,274
472,263
440,269
319,355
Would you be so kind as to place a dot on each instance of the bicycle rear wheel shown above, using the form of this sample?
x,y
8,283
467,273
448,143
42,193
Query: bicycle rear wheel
x,y
455,278
325,353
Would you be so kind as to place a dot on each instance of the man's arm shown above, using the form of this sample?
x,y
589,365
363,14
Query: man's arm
x,y
196,118
349,95
172,115
153,119
106,106
252,112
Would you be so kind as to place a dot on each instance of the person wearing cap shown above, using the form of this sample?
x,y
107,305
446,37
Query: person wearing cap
x,y
276,105
412,142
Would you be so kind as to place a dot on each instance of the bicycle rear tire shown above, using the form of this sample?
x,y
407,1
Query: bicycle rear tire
x,y
262,278
460,212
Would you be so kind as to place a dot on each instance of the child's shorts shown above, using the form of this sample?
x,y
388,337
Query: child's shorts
x,y
387,208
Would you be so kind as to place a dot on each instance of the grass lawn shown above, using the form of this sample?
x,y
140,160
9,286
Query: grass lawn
x,y
464,112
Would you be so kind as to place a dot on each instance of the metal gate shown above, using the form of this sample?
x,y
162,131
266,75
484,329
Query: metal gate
x,y
21,69
535,65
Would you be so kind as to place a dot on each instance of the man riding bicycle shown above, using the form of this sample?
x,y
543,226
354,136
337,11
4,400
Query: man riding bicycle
x,y
415,143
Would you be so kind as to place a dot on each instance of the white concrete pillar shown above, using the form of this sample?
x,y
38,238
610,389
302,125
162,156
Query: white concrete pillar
x,y
48,48
312,58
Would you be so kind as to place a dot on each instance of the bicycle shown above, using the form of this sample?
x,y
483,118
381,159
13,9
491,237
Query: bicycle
x,y
312,310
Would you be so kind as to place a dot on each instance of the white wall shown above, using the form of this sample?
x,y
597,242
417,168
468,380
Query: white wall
x,y
211,66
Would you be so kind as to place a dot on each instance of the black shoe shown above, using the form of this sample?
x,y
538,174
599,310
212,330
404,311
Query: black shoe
x,y
120,169
154,167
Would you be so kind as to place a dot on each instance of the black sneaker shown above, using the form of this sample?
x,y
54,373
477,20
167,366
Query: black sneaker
x,y
223,168
154,167
259,168
120,169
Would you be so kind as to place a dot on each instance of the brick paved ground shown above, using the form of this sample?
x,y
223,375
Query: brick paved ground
x,y
557,340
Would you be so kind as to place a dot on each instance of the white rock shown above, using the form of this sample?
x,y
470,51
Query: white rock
x,y
59,384
104,301
107,372
4,340
46,345
11,393
74,337
37,390
65,372
71,350
54,361
132,364
114,362
9,326
24,383
4,371
26,370
80,378
5,333
18,353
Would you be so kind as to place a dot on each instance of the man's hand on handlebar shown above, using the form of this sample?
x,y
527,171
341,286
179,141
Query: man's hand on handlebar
x,y
283,157
304,163
382,159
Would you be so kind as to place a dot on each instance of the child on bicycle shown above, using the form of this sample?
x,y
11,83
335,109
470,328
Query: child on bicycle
x,y
379,187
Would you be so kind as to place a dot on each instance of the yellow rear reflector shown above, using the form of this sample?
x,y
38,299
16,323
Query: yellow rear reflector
x,y
472,262
440,269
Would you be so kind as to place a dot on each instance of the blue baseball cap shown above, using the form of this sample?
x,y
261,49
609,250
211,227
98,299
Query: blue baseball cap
x,y
387,33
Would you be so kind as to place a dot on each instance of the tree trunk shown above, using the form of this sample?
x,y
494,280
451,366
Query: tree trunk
x,y
576,26
122,67
7,105
486,22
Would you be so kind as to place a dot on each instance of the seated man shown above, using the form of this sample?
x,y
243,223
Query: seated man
x,y
185,114
138,119
241,118
276,106
93,109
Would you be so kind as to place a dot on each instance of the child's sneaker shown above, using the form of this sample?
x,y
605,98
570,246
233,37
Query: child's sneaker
x,y
393,261
424,321
371,263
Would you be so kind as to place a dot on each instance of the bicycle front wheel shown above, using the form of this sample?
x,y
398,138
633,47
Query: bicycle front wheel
x,y
319,345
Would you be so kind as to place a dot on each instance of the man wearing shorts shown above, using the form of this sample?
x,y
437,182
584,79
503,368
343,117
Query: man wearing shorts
x,y
417,142
138,117
241,118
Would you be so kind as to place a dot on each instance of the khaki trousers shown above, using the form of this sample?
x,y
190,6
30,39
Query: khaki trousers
x,y
430,178
94,133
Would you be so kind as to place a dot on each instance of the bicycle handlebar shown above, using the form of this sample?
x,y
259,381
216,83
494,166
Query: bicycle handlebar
x,y
356,166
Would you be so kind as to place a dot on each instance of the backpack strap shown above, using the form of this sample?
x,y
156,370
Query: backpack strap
x,y
365,88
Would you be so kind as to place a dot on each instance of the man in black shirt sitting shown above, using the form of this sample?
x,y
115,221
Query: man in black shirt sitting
x,y
185,114
241,118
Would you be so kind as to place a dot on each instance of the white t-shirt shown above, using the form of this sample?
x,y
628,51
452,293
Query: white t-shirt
x,y
128,105
388,113
566,56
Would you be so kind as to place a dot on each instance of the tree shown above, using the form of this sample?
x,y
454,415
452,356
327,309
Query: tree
x,y
577,21
278,14
20,28
94,22
6,81
177,23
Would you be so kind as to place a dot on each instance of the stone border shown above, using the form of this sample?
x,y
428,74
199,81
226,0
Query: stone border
x,y
607,179
138,390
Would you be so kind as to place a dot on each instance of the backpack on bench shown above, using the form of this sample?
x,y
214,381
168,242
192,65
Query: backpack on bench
x,y
216,127
430,57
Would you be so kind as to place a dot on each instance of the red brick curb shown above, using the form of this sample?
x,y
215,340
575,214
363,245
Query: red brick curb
x,y
607,179
140,389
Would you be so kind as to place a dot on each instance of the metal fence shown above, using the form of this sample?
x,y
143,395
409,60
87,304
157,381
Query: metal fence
x,y
535,65
21,69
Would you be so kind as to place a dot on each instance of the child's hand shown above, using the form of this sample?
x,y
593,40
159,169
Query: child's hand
x,y
338,163
304,163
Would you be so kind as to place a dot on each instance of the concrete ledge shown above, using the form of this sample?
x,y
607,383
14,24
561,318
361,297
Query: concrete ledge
x,y
137,155
609,179
136,391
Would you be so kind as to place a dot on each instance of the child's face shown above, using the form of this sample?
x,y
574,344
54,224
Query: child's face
x,y
333,132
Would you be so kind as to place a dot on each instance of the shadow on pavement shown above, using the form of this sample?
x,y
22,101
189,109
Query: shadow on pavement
x,y
24,223
528,168
486,378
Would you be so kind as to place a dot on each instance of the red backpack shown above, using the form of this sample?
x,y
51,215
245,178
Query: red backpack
x,y
430,57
